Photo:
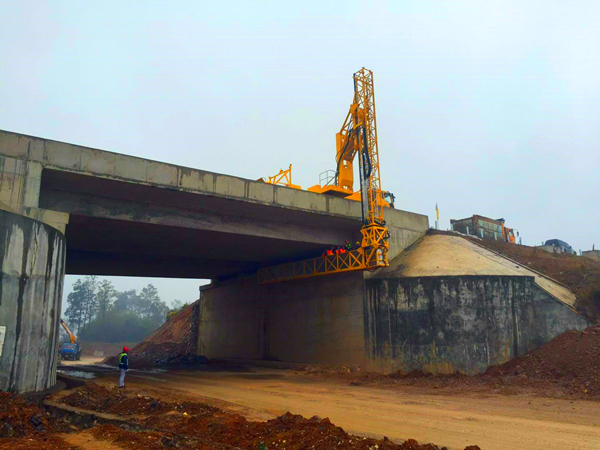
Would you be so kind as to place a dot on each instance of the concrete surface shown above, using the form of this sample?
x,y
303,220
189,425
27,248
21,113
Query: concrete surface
x,y
446,255
447,324
317,320
20,182
32,258
136,217
443,305
446,304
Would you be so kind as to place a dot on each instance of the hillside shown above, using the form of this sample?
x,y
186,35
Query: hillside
x,y
174,342
581,275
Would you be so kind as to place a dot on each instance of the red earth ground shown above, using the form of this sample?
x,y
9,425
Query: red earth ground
x,y
190,425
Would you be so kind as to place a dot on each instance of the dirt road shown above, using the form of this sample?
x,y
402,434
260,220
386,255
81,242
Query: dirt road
x,y
490,421
85,360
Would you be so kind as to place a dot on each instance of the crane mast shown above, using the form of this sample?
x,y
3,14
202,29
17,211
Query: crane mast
x,y
375,234
358,135
68,331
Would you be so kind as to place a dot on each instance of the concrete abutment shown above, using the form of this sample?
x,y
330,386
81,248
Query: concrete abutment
x,y
442,323
32,267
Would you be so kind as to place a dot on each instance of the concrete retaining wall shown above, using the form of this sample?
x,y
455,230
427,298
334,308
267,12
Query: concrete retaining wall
x,y
458,323
316,320
32,265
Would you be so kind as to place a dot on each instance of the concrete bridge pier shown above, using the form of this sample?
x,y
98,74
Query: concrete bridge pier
x,y
32,269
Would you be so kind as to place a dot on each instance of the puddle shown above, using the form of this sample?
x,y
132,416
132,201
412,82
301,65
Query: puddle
x,y
105,366
77,373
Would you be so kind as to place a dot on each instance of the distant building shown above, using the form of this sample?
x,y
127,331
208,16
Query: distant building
x,y
557,246
592,254
484,227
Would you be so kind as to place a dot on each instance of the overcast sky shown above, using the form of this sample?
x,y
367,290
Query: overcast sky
x,y
488,108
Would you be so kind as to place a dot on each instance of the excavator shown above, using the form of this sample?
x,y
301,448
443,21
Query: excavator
x,y
357,137
70,351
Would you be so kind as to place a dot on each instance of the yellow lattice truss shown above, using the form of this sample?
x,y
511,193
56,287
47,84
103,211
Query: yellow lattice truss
x,y
358,136
283,178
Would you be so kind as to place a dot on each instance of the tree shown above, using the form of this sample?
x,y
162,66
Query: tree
x,y
106,295
74,311
82,303
90,298
151,306
126,301
99,313
177,304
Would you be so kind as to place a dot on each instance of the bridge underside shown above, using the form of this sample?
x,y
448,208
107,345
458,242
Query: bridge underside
x,y
118,228
117,247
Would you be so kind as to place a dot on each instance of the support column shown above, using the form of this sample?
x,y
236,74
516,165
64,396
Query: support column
x,y
32,269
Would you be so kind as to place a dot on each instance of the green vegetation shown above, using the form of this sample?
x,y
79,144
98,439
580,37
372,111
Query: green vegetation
x,y
98,312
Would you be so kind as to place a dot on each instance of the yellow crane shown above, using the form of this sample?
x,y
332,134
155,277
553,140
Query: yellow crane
x,y
68,331
358,136
72,350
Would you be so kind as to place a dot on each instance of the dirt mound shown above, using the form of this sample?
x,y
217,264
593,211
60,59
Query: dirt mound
x,y
177,330
101,399
197,425
20,418
571,359
24,425
581,275
566,367
174,343
148,440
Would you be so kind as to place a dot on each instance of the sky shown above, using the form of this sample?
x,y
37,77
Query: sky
x,y
489,108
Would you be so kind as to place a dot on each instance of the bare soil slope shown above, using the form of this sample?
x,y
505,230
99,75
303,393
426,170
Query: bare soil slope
x,y
581,275
175,342
571,360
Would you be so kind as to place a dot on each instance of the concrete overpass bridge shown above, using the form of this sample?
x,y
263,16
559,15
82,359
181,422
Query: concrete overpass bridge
x,y
69,209
123,215
440,307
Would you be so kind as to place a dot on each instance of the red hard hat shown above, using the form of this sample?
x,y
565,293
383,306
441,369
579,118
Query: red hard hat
x,y
125,349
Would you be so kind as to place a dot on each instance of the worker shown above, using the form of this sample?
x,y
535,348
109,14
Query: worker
x,y
347,245
357,245
123,366
330,252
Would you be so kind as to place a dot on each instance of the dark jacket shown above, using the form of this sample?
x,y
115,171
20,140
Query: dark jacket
x,y
123,361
